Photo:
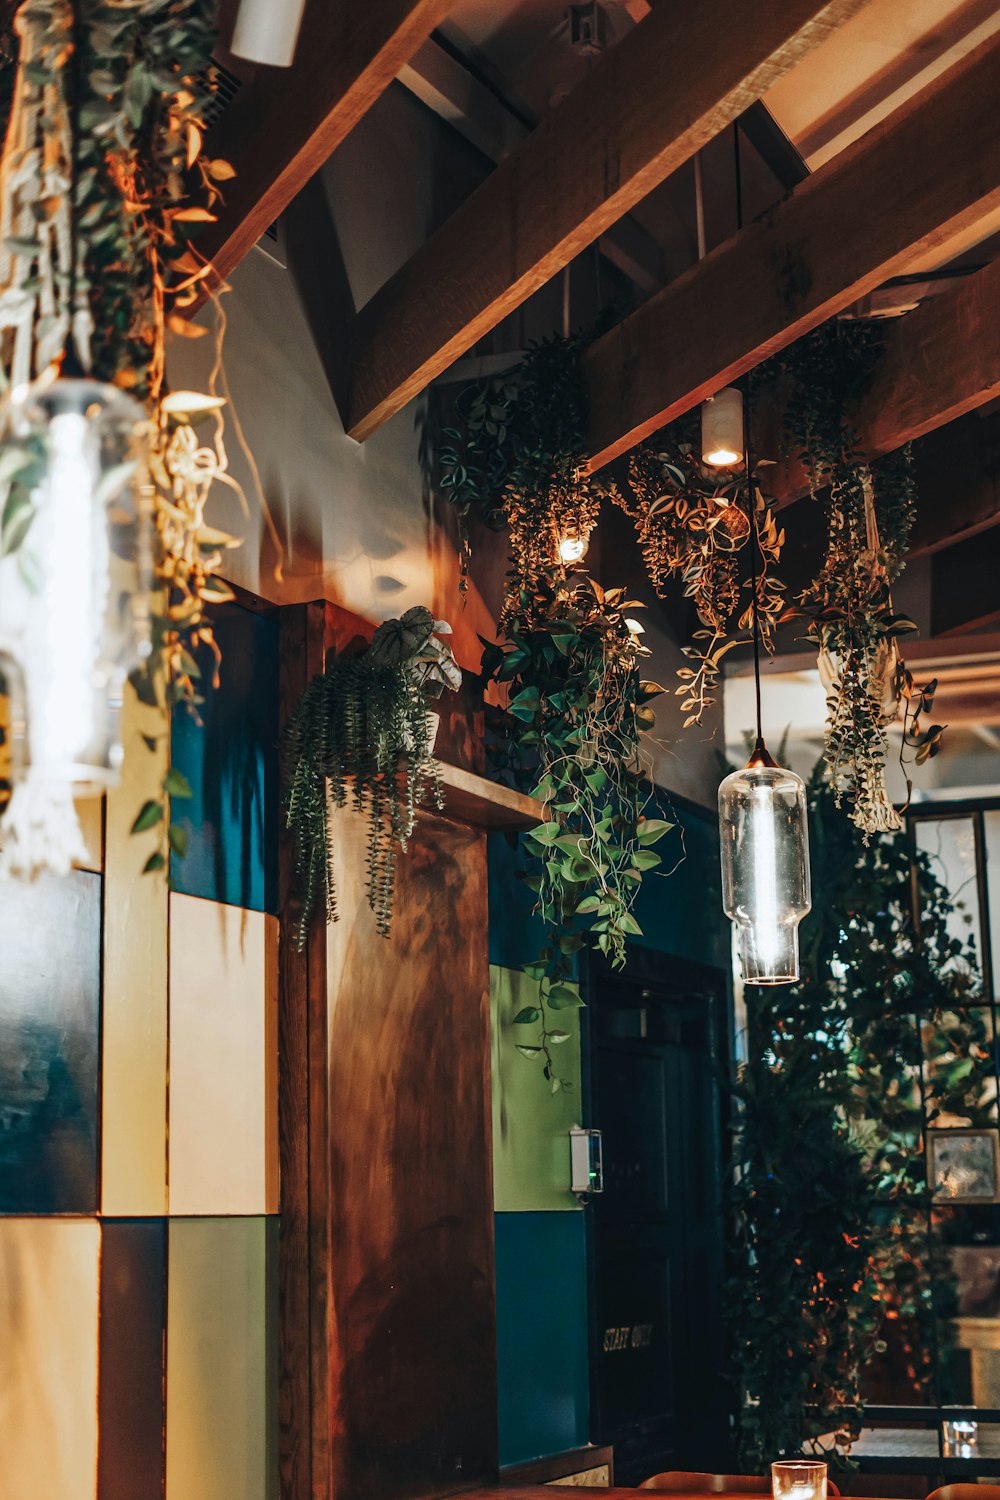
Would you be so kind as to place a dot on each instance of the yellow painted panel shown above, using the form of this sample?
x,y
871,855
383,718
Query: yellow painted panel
x,y
531,1126
90,811
223,1059
134,1144
49,1276
221,1360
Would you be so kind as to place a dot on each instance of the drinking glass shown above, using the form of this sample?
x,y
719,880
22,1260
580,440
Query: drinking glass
x,y
798,1479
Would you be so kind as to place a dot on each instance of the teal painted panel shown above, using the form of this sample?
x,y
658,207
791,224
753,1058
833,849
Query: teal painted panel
x,y
681,913
544,1393
231,761
516,937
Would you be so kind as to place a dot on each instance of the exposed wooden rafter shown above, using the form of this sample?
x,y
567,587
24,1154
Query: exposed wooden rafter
x,y
930,170
941,361
650,103
284,123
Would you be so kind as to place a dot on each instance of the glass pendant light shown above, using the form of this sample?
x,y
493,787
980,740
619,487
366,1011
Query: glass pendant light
x,y
763,829
75,593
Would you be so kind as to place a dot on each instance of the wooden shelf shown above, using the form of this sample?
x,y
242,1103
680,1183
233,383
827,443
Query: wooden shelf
x,y
472,799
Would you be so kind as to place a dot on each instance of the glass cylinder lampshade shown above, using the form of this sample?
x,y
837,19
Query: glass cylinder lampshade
x,y
722,444
74,598
765,867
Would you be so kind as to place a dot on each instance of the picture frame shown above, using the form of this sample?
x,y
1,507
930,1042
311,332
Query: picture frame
x,y
963,1165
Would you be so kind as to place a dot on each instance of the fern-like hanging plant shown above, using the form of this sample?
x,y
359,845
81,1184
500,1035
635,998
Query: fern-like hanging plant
x,y
361,733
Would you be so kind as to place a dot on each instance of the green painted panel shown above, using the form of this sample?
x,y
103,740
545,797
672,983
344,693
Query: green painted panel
x,y
530,1125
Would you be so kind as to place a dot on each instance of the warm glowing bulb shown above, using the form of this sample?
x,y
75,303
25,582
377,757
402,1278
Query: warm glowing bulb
x,y
76,560
765,875
572,549
722,458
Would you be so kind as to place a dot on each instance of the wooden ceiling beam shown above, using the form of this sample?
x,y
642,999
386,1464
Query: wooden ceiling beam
x,y
941,361
964,595
285,122
929,170
650,103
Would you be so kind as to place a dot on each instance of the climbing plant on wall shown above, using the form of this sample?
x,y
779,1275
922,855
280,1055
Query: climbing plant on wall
x,y
830,1193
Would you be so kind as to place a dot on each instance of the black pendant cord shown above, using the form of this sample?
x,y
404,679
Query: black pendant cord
x,y
751,496
71,367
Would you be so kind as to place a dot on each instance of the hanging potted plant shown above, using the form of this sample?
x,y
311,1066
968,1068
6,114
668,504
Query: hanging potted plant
x,y
362,732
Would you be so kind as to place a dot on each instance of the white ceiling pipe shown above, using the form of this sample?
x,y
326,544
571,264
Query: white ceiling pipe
x,y
266,31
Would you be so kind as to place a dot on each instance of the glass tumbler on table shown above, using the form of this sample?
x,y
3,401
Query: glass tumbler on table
x,y
798,1479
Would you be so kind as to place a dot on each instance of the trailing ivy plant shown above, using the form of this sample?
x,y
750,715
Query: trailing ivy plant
x,y
869,510
570,734
519,458
361,733
830,1197
693,525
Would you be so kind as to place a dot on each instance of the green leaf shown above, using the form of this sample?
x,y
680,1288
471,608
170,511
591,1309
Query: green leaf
x,y
563,997
527,1015
528,1051
525,704
587,905
154,862
178,840
558,1037
150,814
176,784
651,829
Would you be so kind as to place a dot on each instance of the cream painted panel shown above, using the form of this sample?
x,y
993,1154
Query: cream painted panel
x,y
221,1360
134,1085
49,1276
223,1059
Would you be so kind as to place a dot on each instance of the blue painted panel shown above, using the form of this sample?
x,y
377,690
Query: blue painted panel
x,y
544,1397
231,761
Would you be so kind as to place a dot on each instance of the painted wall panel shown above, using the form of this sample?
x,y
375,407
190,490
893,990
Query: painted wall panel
x,y
133,1321
50,988
681,913
223,1059
516,937
48,1358
530,1124
221,1439
541,1334
134,1015
231,762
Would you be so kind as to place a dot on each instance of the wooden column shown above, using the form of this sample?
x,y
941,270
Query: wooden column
x,y
388,1338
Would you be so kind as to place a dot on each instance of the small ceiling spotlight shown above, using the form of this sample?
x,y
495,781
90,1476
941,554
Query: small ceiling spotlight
x,y
266,31
722,441
572,549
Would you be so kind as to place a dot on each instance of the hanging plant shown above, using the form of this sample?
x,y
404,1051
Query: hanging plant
x,y
830,1192
869,511
570,734
692,526
519,459
361,733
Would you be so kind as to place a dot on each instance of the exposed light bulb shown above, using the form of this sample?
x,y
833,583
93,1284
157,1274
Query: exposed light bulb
x,y
572,549
765,866
722,441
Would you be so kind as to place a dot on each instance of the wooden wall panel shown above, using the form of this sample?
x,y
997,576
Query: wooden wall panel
x,y
48,1369
133,1321
50,995
412,1339
223,1059
134,1095
221,1365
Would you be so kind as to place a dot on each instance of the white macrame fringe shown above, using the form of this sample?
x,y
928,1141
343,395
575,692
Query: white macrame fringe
x,y
40,832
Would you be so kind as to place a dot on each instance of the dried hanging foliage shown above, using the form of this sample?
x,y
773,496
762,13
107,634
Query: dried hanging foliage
x,y
869,510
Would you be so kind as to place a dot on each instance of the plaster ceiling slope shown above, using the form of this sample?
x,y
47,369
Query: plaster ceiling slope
x,y
888,52
873,64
